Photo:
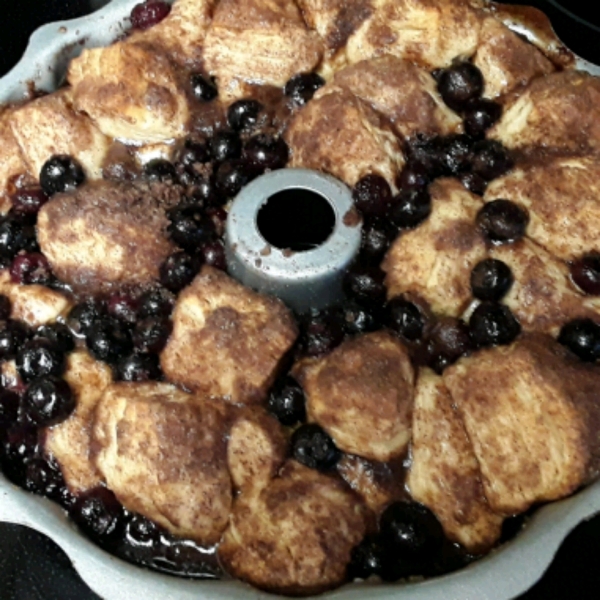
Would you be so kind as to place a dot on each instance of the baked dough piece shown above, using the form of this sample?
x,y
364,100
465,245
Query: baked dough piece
x,y
181,34
256,449
444,474
561,196
542,296
164,454
50,125
435,260
560,111
506,61
401,91
33,304
431,33
70,441
296,535
107,234
342,135
362,395
262,42
12,163
531,413
131,91
227,340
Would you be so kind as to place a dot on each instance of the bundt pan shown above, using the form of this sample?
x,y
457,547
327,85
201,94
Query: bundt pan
x,y
503,574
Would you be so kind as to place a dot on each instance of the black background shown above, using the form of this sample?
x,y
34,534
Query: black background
x,y
33,568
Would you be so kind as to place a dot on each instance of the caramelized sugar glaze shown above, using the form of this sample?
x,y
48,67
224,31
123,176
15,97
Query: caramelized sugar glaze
x,y
196,427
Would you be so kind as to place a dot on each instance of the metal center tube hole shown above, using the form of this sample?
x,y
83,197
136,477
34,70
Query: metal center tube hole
x,y
296,219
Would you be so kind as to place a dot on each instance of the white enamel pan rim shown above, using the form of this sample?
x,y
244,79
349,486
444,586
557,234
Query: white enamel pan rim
x,y
505,573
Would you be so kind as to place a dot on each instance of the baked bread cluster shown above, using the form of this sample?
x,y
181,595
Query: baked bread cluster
x,y
198,427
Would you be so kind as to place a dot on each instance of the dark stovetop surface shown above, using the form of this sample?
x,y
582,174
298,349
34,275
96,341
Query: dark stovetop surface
x,y
33,568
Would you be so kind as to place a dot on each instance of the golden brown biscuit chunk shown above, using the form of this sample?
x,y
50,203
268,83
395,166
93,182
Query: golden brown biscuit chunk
x,y
435,260
34,304
542,296
342,135
257,448
294,537
12,163
50,125
431,33
531,413
69,442
561,196
182,32
560,111
444,474
401,91
164,454
106,234
263,42
362,395
131,92
507,61
227,340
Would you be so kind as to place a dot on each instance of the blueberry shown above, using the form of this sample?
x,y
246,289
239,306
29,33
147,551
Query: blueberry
x,y
212,253
205,192
48,401
411,533
108,340
232,175
178,271
19,446
28,201
491,279
493,324
43,477
480,115
190,227
372,195
414,176
138,367
13,335
490,159
193,152
585,273
243,114
5,307
160,169
10,403
39,358
151,334
85,314
366,559
31,268
314,448
140,531
425,153
149,13
302,87
455,153
358,319
156,302
474,183
61,173
224,145
459,84
203,89
16,234
364,283
410,208
502,221
377,236
99,515
322,332
449,339
404,318
58,334
123,307
287,402
266,152
582,337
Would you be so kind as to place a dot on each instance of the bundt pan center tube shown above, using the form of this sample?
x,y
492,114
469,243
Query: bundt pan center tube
x,y
503,574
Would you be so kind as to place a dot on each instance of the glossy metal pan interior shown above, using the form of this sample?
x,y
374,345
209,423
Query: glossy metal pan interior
x,y
503,574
